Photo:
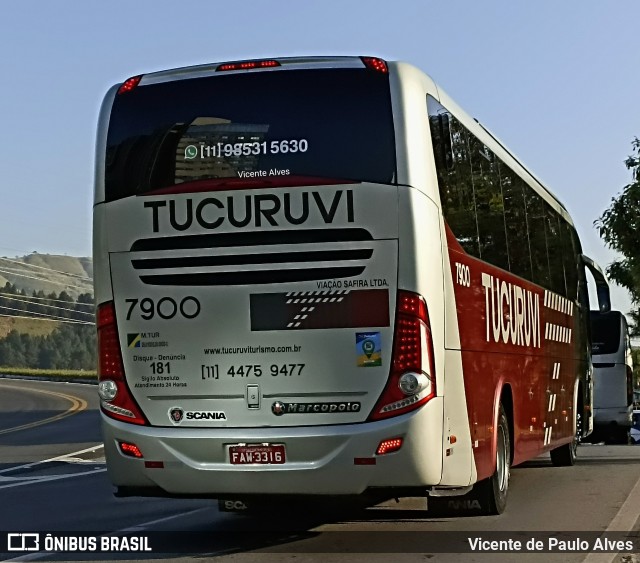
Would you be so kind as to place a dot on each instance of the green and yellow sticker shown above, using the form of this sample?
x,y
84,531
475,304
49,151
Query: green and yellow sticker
x,y
368,349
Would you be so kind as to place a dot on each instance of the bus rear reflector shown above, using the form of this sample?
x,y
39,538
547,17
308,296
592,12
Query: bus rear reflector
x,y
376,64
364,461
154,464
116,399
389,446
129,84
130,450
247,65
412,353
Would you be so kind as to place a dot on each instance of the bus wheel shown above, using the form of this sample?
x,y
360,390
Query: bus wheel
x,y
492,492
489,496
566,455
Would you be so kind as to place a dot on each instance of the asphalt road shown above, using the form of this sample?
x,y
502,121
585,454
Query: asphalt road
x,y
52,478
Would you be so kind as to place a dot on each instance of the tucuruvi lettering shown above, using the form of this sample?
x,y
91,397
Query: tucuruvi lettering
x,y
257,210
512,313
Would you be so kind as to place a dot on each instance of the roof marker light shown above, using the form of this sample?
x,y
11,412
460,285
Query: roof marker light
x,y
248,65
129,84
374,63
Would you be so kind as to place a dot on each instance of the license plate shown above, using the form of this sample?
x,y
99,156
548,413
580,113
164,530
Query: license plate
x,y
257,454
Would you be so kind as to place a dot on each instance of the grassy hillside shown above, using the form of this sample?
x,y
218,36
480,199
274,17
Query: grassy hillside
x,y
34,327
48,273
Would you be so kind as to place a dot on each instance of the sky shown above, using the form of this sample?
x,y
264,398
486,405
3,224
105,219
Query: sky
x,y
557,82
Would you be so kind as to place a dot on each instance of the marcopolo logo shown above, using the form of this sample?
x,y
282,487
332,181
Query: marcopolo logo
x,y
178,415
279,408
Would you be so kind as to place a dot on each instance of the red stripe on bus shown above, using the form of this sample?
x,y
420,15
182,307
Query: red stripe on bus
x,y
224,184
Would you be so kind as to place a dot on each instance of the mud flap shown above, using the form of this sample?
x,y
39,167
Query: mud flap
x,y
474,503
232,505
489,496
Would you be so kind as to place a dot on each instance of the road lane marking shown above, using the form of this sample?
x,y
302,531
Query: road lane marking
x,y
77,405
63,457
35,479
143,527
623,521
44,479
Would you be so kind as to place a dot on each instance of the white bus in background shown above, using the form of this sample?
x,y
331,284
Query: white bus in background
x,y
319,276
612,375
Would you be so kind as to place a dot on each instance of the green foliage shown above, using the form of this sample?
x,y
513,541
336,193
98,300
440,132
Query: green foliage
x,y
69,346
17,302
619,227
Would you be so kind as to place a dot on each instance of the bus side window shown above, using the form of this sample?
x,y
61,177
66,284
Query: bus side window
x,y
441,138
571,259
515,218
450,148
489,204
554,248
537,237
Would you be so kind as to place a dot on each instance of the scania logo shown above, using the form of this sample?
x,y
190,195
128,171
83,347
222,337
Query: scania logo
x,y
278,408
176,415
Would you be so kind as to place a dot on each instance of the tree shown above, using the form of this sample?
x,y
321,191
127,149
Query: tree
x,y
619,227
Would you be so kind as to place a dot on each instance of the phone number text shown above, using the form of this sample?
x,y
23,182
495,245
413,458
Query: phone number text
x,y
252,149
213,371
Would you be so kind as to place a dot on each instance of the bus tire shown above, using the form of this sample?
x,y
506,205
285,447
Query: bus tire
x,y
489,496
566,455
492,492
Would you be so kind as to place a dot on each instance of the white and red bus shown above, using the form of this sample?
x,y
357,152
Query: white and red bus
x,y
319,276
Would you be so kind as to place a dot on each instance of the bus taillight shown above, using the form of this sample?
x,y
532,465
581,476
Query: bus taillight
x,y
115,398
412,379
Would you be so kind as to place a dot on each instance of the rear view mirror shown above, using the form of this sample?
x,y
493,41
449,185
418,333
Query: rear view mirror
x,y
602,284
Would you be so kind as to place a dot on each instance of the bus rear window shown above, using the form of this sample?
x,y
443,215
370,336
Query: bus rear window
x,y
282,127
605,332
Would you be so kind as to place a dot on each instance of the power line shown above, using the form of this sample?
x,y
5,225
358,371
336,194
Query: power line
x,y
70,321
44,315
4,296
42,279
26,264
43,275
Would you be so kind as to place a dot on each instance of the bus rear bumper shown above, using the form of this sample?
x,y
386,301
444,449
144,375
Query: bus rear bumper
x,y
620,416
320,460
